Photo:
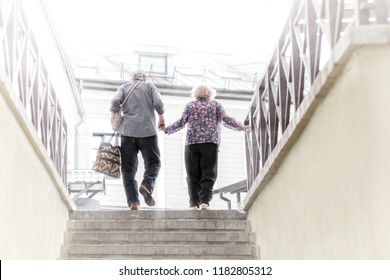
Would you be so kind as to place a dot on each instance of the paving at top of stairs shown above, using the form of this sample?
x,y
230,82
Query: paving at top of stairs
x,y
158,215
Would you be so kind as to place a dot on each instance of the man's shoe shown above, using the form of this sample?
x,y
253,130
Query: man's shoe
x,y
204,206
147,195
134,206
194,208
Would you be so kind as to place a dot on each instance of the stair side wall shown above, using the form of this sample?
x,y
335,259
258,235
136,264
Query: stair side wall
x,y
329,198
35,206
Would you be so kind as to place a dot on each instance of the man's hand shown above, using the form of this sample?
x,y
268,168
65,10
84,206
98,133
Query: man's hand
x,y
113,115
162,128
161,122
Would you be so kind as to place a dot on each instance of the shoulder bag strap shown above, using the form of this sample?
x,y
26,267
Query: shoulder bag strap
x,y
129,93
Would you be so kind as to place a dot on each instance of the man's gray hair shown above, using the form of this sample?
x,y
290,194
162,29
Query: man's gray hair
x,y
138,74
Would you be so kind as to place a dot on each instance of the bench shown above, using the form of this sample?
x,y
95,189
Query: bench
x,y
236,188
85,182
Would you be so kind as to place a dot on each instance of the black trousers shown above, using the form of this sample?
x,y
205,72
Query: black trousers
x,y
201,161
130,146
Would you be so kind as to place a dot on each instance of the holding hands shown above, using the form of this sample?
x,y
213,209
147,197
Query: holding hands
x,y
247,128
162,127
161,123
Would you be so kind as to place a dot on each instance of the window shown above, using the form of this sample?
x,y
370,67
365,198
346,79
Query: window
x,y
156,64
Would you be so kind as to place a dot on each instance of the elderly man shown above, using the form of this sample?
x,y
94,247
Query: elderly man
x,y
138,132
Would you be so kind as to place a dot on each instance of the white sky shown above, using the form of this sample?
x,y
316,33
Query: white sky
x,y
247,28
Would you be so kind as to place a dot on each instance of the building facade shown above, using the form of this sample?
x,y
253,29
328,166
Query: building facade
x,y
98,86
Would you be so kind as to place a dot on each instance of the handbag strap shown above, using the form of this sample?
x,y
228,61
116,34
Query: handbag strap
x,y
129,93
116,138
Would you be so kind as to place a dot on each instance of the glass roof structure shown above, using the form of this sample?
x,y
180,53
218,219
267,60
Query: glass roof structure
x,y
167,66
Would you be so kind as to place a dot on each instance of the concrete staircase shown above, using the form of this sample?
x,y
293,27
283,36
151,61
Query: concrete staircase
x,y
159,234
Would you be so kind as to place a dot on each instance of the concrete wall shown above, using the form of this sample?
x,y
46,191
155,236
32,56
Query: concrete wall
x,y
330,197
33,201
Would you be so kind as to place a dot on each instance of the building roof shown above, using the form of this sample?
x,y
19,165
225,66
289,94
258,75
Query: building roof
x,y
182,68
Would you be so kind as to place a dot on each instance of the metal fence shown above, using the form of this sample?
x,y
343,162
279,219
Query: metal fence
x,y
311,32
20,59
228,77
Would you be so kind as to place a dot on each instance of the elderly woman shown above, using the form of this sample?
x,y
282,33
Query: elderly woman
x,y
203,117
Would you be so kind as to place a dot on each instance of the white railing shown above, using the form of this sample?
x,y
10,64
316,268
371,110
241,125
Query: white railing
x,y
311,32
20,59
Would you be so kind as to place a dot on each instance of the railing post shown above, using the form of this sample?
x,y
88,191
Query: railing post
x,y
122,75
381,11
173,75
361,12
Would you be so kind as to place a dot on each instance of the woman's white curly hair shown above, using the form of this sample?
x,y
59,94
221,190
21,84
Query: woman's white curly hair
x,y
203,91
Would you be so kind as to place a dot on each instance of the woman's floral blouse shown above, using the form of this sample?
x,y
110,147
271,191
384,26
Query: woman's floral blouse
x,y
203,118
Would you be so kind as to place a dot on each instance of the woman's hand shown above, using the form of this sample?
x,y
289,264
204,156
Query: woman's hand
x,y
247,128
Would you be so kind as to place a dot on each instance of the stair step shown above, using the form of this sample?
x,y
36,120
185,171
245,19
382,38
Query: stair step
x,y
161,225
158,215
87,237
159,234
157,257
161,250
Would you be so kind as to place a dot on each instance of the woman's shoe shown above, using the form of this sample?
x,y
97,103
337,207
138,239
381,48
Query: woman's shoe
x,y
204,206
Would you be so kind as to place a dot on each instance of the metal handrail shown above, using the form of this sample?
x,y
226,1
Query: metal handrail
x,y
311,32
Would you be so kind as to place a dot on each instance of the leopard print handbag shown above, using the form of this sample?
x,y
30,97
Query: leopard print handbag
x,y
108,158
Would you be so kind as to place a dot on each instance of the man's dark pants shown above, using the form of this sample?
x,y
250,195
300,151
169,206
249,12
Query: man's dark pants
x,y
130,146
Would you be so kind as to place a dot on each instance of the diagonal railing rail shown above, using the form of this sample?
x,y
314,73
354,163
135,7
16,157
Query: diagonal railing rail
x,y
311,32
21,61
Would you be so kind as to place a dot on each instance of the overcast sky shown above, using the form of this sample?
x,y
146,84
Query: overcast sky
x,y
247,28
